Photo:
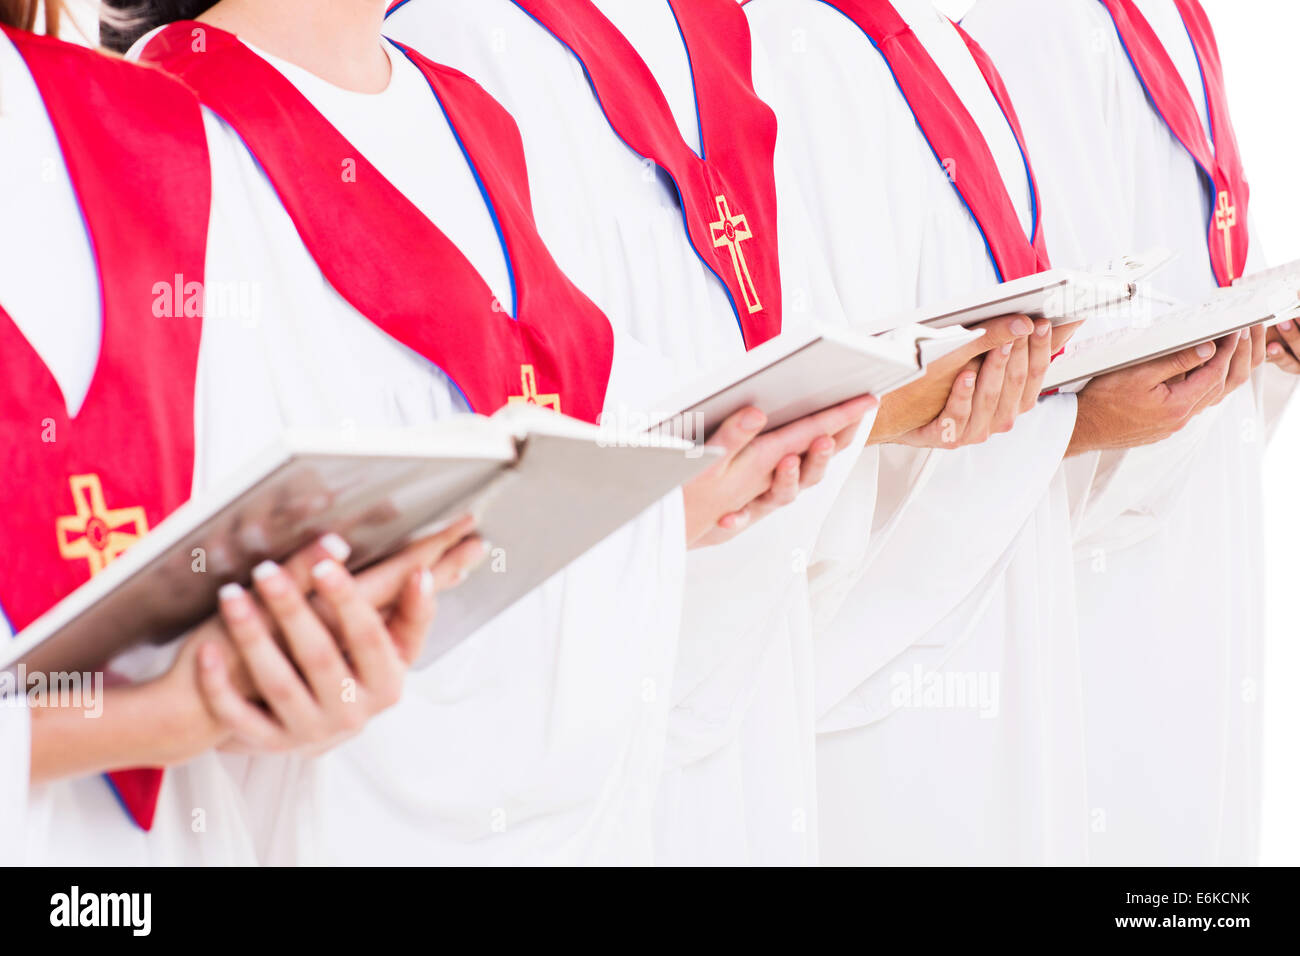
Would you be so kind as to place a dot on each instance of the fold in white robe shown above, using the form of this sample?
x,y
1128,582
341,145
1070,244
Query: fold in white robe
x,y
936,567
738,772
1169,540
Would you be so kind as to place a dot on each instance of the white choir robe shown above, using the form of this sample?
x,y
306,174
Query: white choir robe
x,y
936,568
50,289
738,770
1169,538
538,739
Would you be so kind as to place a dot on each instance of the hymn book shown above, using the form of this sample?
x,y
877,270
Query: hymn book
x,y
1064,296
1227,311
543,487
800,373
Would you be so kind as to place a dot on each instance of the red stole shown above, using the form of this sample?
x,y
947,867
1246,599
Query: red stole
x,y
386,258
729,195
82,489
1219,160
955,136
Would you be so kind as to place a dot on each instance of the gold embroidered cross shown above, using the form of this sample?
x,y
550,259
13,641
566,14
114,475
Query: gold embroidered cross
x,y
97,533
1225,219
729,232
530,396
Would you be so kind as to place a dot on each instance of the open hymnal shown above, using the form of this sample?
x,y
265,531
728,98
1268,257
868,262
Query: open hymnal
x,y
1227,311
799,373
1286,275
1065,296
543,487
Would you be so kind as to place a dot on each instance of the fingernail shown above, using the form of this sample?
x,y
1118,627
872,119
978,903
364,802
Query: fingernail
x,y
336,547
740,520
1285,326
968,380
426,582
1021,327
789,467
753,421
234,601
267,569
1205,350
1275,349
485,547
1043,329
1006,349
323,569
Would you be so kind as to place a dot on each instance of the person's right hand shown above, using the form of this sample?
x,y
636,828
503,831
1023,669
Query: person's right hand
x,y
759,473
972,393
313,653
168,720
1150,402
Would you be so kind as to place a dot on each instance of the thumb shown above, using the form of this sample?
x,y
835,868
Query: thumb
x,y
1163,369
735,434
1007,328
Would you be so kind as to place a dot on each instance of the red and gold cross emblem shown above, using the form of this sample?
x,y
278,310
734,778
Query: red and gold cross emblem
x,y
1225,219
530,396
96,533
729,232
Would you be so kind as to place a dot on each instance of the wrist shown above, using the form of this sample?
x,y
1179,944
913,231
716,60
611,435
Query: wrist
x,y
185,727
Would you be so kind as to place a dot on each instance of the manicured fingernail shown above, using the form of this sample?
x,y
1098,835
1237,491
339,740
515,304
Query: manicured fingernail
x,y
968,380
1021,327
1006,349
1205,350
753,421
234,602
1043,329
789,467
336,547
265,570
1285,326
323,569
426,582
1275,349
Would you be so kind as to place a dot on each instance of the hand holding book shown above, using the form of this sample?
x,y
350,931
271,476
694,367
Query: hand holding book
x,y
291,652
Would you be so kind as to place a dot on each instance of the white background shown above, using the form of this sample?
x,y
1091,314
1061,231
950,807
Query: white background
x,y
1257,39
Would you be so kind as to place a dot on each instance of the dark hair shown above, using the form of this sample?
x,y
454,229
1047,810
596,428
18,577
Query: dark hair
x,y
132,19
